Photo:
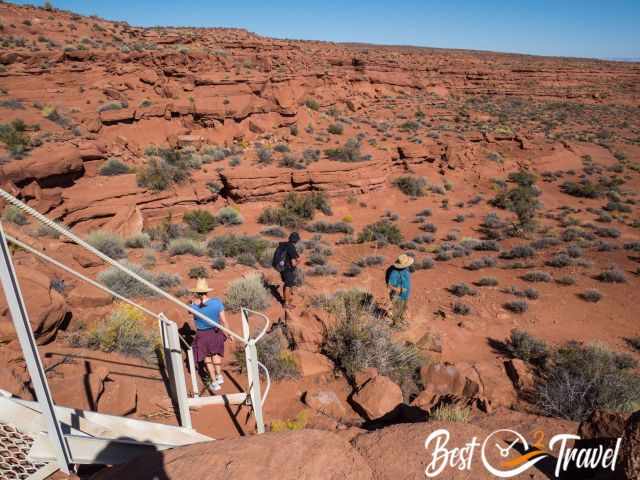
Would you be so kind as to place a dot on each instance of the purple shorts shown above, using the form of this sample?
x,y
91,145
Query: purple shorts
x,y
208,342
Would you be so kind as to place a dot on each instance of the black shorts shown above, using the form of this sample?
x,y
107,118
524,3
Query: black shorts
x,y
288,278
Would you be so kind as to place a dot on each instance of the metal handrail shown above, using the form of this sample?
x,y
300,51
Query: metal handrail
x,y
266,322
268,387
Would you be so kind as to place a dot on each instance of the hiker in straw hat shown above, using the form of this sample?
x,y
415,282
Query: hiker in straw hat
x,y
398,277
208,346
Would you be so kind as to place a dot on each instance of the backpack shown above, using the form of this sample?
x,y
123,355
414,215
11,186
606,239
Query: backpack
x,y
279,261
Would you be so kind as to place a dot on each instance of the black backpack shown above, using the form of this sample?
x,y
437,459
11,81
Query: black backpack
x,y
279,261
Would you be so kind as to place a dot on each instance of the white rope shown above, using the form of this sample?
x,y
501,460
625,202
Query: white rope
x,y
67,233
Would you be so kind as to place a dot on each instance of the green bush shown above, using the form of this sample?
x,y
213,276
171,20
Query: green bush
x,y
229,216
198,272
13,214
235,245
295,210
411,186
113,167
312,104
142,240
528,348
248,292
360,340
521,199
108,243
14,137
350,152
450,413
273,354
166,167
202,221
581,379
336,129
122,283
382,231
186,246
123,331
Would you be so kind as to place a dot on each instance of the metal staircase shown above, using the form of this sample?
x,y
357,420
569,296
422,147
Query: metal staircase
x,y
64,437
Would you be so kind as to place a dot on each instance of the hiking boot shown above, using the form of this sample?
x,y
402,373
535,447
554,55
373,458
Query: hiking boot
x,y
214,387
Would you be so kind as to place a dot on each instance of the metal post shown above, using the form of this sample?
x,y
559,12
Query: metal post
x,y
253,375
176,369
27,341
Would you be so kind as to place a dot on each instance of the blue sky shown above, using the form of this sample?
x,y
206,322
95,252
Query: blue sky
x,y
586,28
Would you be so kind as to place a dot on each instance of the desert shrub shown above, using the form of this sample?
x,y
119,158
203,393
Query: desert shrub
x,y
202,221
582,379
634,342
264,155
559,260
424,264
273,354
611,275
462,289
218,263
566,280
15,138
537,276
166,280
460,308
522,199
450,413
381,231
235,245
410,185
247,259
422,239
424,213
359,340
248,292
122,283
185,246
322,270
521,251
312,104
274,232
113,167
574,251
123,331
107,243
479,263
353,271
591,295
282,148
369,261
165,167
487,246
486,282
350,152
530,293
198,272
325,227
295,210
429,228
528,348
633,246
583,189
229,216
517,306
142,240
336,129
13,214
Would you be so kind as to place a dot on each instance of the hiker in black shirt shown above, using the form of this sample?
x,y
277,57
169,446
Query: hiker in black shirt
x,y
285,261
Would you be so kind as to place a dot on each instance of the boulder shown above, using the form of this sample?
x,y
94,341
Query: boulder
x,y
325,402
120,396
310,363
302,454
603,424
127,222
47,309
378,397
520,374
148,76
88,296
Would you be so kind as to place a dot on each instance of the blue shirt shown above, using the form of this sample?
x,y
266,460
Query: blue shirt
x,y
401,279
211,309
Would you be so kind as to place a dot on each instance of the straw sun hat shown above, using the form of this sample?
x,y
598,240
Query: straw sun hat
x,y
201,286
403,261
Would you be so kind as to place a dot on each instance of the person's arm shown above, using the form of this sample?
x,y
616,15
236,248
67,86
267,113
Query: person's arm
x,y
294,256
223,321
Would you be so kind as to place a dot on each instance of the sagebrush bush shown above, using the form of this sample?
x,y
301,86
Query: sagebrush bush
x,y
326,227
121,283
360,340
487,282
462,289
248,292
142,240
350,152
382,231
411,186
518,306
229,216
537,276
566,280
123,331
232,246
113,167
13,214
460,308
591,295
582,379
450,413
521,251
107,243
295,210
198,272
185,246
611,275
273,354
528,348
369,261
202,221
559,260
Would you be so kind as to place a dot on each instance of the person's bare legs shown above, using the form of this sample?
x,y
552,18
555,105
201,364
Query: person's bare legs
x,y
209,364
287,296
217,364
